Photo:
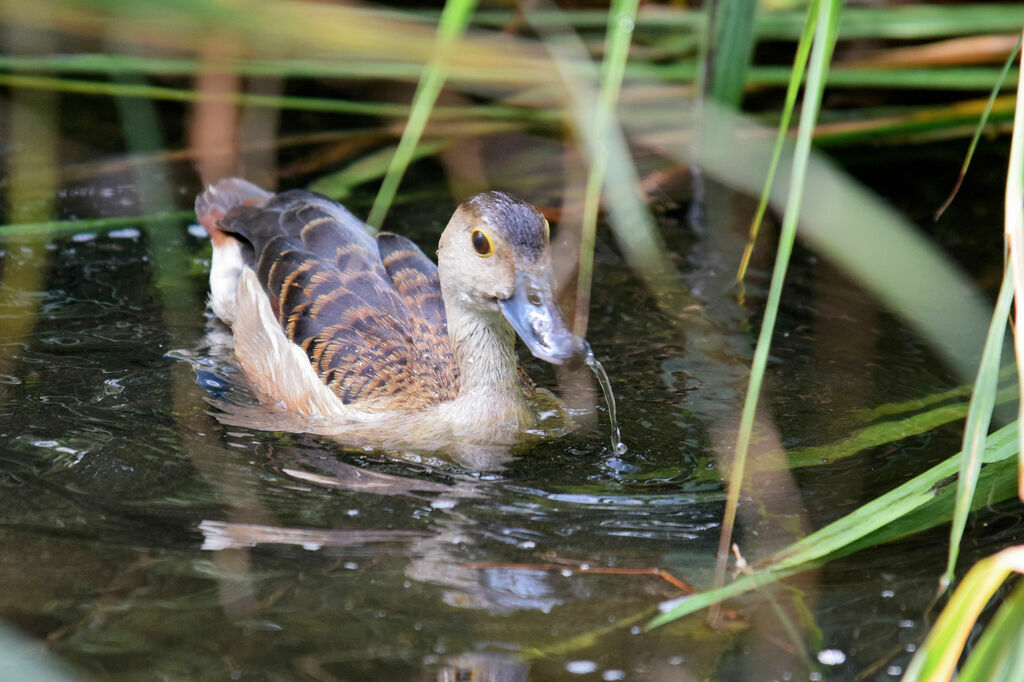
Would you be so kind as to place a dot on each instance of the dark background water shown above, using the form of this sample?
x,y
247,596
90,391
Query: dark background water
x,y
143,539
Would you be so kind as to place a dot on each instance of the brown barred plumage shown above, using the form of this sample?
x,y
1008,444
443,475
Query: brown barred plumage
x,y
367,312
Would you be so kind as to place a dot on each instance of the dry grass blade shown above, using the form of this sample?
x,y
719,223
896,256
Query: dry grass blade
x,y
983,120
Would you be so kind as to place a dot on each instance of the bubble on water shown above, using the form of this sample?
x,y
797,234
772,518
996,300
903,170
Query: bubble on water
x,y
581,667
831,657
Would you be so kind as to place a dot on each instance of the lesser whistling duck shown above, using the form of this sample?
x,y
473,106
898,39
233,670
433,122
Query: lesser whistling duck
x,y
364,339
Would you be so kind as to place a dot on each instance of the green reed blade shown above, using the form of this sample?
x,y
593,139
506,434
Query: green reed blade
x,y
792,89
373,166
998,655
903,407
937,657
887,432
920,503
821,54
979,416
628,213
1014,228
90,224
287,102
454,20
912,21
942,79
730,48
621,19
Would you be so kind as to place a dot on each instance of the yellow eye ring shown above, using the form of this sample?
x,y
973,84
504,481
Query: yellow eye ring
x,y
482,243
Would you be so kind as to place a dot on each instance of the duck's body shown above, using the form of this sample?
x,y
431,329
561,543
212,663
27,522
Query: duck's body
x,y
363,338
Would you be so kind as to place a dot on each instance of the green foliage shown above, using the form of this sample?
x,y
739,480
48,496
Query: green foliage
x,y
451,26
821,53
923,502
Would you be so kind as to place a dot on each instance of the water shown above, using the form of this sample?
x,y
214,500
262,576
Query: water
x,y
618,447
144,539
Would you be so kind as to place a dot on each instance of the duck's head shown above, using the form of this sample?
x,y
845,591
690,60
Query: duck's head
x,y
495,256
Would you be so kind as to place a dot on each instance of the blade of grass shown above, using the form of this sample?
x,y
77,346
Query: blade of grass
x,y
875,246
961,391
936,658
913,124
621,19
287,102
982,122
454,20
1014,218
887,432
924,500
627,211
979,416
999,654
55,227
339,185
803,50
730,49
902,21
824,42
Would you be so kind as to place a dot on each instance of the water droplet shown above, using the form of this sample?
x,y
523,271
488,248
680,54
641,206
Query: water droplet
x,y
831,657
581,667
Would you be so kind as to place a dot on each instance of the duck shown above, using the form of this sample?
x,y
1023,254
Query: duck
x,y
362,338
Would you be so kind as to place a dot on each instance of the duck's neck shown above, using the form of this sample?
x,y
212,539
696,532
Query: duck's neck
x,y
484,346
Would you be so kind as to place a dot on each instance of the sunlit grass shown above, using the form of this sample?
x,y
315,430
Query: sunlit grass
x,y
923,502
936,659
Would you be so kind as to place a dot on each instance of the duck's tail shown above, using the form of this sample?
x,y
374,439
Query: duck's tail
x,y
228,262
218,199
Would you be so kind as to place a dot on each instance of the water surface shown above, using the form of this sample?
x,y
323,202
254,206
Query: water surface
x,y
144,539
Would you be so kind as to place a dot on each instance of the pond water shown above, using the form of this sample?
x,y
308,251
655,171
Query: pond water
x,y
143,539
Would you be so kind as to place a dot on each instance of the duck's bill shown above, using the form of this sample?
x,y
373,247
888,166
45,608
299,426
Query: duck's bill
x,y
534,314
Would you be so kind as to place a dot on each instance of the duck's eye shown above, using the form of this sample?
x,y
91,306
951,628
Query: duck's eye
x,y
482,243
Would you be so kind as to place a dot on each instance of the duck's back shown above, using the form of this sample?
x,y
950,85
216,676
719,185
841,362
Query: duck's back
x,y
366,311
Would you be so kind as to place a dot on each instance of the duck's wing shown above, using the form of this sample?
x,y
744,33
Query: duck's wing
x,y
415,278
333,297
